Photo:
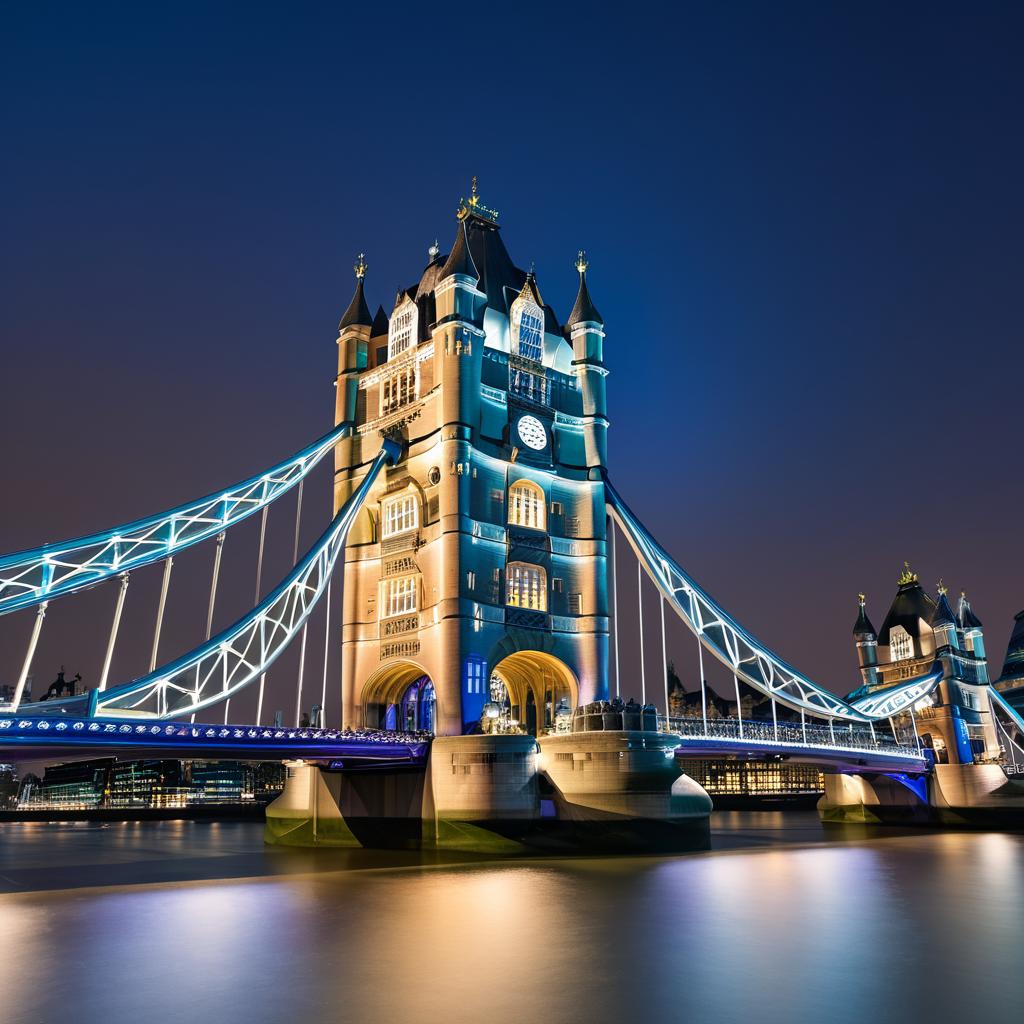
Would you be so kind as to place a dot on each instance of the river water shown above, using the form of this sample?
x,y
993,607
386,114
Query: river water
x,y
784,920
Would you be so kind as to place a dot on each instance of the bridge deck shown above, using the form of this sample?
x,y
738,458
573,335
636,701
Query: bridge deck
x,y
64,737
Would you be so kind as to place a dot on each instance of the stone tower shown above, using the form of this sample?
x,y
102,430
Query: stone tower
x,y
475,573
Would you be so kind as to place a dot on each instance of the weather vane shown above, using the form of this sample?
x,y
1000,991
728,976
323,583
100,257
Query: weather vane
x,y
360,266
581,261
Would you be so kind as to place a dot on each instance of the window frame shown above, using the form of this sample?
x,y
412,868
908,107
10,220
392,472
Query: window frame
x,y
412,505
400,591
519,507
535,578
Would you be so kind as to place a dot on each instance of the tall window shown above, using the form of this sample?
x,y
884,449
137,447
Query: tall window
x,y
526,586
528,384
400,596
526,320
901,645
526,505
397,390
399,514
402,329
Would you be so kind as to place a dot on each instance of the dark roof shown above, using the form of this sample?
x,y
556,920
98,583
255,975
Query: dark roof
x,y
910,606
358,312
968,620
460,259
863,623
584,310
380,323
1014,665
430,276
943,614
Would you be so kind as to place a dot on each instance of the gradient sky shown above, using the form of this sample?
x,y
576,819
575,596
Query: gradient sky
x,y
805,228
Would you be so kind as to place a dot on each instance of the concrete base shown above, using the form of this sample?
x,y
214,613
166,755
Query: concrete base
x,y
973,794
623,791
608,791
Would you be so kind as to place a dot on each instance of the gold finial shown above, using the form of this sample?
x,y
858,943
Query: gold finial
x,y
472,205
963,595
862,598
360,266
581,262
941,587
473,197
907,576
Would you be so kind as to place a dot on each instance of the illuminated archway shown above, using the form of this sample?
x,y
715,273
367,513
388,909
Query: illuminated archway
x,y
400,696
536,682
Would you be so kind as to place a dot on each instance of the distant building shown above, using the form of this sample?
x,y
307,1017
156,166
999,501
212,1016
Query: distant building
x,y
148,784
730,777
8,786
920,632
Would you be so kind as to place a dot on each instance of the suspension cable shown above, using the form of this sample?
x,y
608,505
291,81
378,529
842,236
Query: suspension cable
x,y
26,665
114,627
298,518
327,652
164,584
213,591
302,666
256,601
775,721
615,605
664,654
640,603
739,709
703,686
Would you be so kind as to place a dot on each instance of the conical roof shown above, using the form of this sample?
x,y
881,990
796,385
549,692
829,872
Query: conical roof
x,y
358,313
584,311
943,614
863,627
968,620
1013,668
909,609
380,323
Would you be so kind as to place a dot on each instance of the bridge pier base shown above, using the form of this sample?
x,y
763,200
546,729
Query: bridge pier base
x,y
953,794
307,813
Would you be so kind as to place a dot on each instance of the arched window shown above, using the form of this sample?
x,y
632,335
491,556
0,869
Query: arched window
x,y
526,586
901,645
526,505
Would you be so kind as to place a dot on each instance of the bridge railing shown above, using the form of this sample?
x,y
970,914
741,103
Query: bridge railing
x,y
838,736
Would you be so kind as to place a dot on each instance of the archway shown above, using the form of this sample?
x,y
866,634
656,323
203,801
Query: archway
x,y
400,696
536,683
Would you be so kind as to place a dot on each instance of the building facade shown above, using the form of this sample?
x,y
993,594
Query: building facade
x,y
955,722
476,568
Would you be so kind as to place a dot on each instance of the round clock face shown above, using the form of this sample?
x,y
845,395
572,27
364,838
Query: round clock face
x,y
532,433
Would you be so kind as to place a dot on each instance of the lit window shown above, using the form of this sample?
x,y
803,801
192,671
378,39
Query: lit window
x,y
402,329
526,505
400,596
526,320
901,645
399,515
397,390
526,587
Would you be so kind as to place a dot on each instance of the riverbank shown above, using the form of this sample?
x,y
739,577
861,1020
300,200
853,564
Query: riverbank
x,y
199,812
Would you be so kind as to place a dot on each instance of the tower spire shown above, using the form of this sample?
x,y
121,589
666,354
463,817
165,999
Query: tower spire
x,y
358,313
584,311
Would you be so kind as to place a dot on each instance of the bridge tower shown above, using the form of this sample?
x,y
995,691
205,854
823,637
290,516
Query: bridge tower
x,y
477,567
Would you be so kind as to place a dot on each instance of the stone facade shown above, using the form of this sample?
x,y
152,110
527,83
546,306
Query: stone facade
x,y
482,552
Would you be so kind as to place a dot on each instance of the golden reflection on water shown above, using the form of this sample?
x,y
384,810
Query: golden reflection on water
x,y
876,928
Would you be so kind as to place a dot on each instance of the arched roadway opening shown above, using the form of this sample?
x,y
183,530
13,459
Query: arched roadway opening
x,y
400,696
536,683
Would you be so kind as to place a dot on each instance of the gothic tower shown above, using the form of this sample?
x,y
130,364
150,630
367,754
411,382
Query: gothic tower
x,y
475,573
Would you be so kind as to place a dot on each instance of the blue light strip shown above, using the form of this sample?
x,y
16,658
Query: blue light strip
x,y
29,577
737,649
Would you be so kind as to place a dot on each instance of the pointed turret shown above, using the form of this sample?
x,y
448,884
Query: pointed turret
x,y
863,626
358,313
460,259
584,311
970,626
380,323
943,621
867,645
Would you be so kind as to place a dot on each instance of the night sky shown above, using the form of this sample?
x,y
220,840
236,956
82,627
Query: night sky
x,y
804,223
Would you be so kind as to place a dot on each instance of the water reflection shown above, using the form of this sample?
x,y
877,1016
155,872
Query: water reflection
x,y
778,924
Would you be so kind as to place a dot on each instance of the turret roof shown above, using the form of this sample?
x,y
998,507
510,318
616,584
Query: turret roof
x,y
358,313
584,310
968,620
943,614
460,259
380,323
909,608
863,624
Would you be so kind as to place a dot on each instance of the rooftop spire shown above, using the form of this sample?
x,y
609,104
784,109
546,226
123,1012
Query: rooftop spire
x,y
908,576
473,207
460,259
967,618
358,313
584,311
863,625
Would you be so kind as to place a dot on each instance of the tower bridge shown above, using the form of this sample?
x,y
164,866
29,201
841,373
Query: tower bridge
x,y
475,516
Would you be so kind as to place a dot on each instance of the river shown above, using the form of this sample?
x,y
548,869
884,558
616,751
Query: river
x,y
783,921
